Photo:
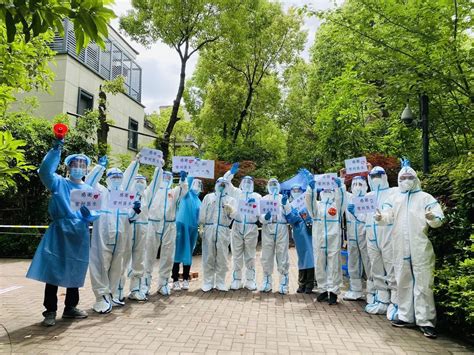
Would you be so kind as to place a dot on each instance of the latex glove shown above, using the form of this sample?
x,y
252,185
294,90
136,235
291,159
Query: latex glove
x,y
103,161
294,211
312,184
378,215
85,212
136,207
58,144
235,168
351,208
268,215
251,200
430,215
284,200
182,175
338,182
228,209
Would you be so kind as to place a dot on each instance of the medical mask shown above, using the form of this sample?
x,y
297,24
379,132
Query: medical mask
x,y
273,189
326,196
77,173
358,190
407,185
295,194
140,187
115,183
247,186
220,188
196,190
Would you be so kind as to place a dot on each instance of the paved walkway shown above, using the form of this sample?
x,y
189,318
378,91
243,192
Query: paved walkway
x,y
197,322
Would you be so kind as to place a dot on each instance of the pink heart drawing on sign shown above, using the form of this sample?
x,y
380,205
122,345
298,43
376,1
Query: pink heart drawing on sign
x,y
96,196
132,197
254,206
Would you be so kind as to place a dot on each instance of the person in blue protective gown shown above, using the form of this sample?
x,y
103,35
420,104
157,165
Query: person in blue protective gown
x,y
187,218
301,226
62,256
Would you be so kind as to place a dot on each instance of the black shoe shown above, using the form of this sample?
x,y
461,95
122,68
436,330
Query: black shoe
x,y
332,298
429,332
300,289
49,319
308,290
74,313
402,324
322,297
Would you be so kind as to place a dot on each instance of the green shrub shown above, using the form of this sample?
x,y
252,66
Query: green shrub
x,y
20,245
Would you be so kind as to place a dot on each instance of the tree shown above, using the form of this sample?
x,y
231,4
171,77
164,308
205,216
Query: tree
x,y
185,25
90,19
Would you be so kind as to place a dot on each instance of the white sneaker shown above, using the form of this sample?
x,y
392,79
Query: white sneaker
x,y
206,287
185,285
164,290
236,284
117,303
222,287
176,286
137,296
251,285
102,305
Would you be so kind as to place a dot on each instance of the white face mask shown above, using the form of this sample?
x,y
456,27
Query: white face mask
x,y
358,191
407,185
273,189
247,186
140,187
296,194
326,196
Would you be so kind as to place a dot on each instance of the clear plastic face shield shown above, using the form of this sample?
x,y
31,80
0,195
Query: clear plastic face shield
x,y
220,186
140,183
296,191
77,168
327,195
376,178
167,179
196,186
273,187
406,181
247,184
359,186
114,180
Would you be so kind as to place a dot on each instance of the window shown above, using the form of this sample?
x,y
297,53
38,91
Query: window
x,y
132,136
85,102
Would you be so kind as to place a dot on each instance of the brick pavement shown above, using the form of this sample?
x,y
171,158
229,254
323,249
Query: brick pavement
x,y
196,322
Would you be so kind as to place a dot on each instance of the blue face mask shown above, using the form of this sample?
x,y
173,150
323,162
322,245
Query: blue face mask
x,y
273,189
77,173
220,188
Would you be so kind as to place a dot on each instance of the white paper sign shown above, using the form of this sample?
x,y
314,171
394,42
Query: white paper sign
x,y
356,165
183,164
92,199
151,156
326,181
269,206
364,204
248,209
299,203
202,169
121,199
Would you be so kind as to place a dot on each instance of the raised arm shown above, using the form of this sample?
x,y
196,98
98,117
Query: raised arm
x,y
130,174
48,167
154,185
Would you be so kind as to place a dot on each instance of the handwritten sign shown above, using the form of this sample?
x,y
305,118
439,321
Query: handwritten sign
x,y
202,169
151,156
92,199
326,181
183,164
269,206
121,199
299,203
356,165
248,209
364,204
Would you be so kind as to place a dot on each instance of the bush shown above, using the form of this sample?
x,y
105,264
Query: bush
x,y
19,244
452,183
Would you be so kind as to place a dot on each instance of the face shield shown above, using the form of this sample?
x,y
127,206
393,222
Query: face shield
x,y
114,178
140,183
220,186
377,178
196,186
406,182
246,184
327,195
77,165
273,186
359,186
167,179
296,191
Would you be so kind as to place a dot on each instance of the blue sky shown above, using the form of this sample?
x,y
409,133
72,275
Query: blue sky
x,y
161,64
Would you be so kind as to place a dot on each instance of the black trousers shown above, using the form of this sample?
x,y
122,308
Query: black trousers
x,y
51,298
175,273
306,278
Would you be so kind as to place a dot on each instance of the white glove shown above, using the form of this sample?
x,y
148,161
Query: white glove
x,y
430,215
228,209
378,216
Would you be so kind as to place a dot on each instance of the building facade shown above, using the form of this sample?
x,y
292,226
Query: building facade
x,y
77,81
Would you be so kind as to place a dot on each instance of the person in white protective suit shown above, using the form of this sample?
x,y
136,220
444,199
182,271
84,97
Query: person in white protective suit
x,y
162,230
327,218
275,239
109,235
379,247
216,213
412,212
358,260
134,260
244,234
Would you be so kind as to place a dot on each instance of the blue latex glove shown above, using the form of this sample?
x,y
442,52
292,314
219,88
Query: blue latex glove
x,y
58,144
251,200
235,168
351,208
103,161
294,211
268,215
85,212
136,207
182,175
312,184
284,200
338,182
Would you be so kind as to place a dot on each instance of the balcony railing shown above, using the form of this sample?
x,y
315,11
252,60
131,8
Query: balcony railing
x,y
107,63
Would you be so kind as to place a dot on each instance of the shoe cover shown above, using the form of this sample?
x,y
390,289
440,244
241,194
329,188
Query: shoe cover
x,y
103,305
137,296
251,285
392,312
207,287
236,284
353,295
164,290
267,284
222,287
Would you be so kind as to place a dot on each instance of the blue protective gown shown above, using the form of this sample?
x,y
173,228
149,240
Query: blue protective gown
x,y
303,239
187,226
62,256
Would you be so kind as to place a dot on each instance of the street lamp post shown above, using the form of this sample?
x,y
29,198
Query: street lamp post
x,y
409,120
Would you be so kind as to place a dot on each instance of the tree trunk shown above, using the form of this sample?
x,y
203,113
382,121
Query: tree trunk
x,y
243,114
165,143
103,130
